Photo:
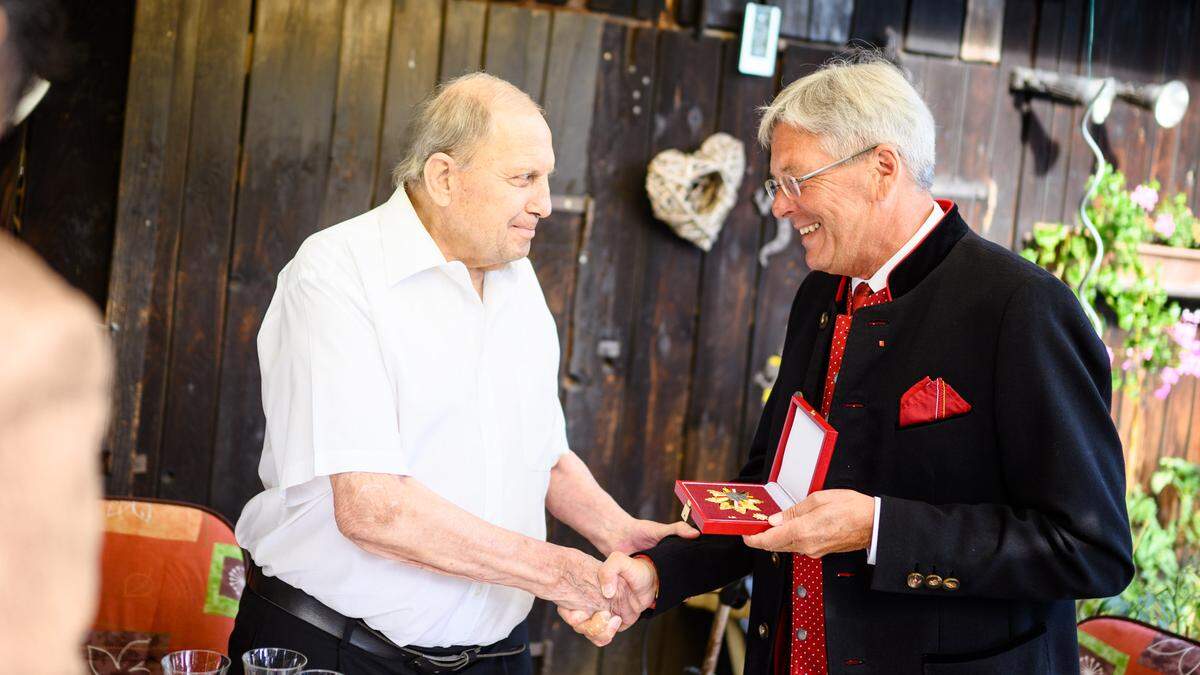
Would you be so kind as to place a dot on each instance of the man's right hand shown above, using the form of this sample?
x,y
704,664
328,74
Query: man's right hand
x,y
631,585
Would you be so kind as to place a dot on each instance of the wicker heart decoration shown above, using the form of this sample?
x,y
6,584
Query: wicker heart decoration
x,y
692,193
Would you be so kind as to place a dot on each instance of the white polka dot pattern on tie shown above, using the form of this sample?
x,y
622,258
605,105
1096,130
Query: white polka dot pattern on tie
x,y
808,608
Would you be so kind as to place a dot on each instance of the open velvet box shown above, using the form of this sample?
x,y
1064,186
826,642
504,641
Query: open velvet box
x,y
801,460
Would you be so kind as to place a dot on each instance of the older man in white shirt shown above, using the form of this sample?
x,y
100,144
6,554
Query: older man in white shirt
x,y
414,434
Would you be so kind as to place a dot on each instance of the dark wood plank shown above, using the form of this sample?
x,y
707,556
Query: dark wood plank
x,y
1129,40
973,159
198,311
664,332
462,43
569,95
796,17
649,9
1191,448
781,278
1187,162
362,74
158,111
873,18
554,254
12,185
608,282
829,20
1048,125
517,44
412,73
1179,419
162,316
1150,439
569,91
727,295
73,157
723,14
935,27
621,7
982,31
943,85
1179,54
285,161
1003,151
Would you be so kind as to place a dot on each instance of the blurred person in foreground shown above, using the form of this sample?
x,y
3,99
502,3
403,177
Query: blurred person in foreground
x,y
55,371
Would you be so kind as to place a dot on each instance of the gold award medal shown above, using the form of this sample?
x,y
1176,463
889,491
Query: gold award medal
x,y
729,498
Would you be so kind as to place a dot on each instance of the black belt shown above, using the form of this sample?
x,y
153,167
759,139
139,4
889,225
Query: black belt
x,y
312,611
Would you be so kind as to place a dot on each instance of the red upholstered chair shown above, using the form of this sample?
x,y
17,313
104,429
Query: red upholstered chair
x,y
1110,645
171,577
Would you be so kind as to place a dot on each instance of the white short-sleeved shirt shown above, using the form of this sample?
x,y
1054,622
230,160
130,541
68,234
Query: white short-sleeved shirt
x,y
378,355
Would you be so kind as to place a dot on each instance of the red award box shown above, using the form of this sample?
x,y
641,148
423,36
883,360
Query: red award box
x,y
801,460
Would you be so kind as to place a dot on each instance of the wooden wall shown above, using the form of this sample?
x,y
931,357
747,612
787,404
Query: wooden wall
x,y
250,124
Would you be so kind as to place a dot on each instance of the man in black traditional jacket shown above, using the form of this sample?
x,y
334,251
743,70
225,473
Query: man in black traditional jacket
x,y
977,485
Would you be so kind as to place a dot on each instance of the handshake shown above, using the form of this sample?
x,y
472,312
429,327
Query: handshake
x,y
604,598
598,599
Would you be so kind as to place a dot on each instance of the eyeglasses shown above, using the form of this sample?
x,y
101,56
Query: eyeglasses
x,y
791,185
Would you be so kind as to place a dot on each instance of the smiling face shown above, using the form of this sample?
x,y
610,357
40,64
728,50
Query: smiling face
x,y
835,213
497,199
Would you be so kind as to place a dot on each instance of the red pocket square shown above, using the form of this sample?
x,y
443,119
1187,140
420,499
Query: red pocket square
x,y
929,401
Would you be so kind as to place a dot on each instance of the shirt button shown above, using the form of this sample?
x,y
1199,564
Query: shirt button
x,y
916,580
801,634
762,630
824,319
801,592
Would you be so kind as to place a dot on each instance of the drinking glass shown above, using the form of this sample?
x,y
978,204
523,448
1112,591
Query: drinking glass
x,y
273,661
318,671
195,662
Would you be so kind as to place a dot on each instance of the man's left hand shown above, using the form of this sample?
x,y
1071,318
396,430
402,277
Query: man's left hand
x,y
829,521
639,535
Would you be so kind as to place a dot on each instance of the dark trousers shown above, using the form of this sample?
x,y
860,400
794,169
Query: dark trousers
x,y
261,623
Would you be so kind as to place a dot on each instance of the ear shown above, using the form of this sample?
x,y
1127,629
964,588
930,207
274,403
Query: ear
x,y
438,175
887,166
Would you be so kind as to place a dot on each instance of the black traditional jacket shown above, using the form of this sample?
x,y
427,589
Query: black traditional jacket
x,y
1021,499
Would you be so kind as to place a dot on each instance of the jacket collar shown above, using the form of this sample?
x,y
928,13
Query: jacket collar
x,y
921,260
929,253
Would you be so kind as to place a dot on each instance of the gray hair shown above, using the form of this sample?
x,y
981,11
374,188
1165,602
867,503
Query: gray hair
x,y
852,103
455,119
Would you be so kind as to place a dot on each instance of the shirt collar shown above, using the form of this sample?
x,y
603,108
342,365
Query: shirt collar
x,y
879,280
407,246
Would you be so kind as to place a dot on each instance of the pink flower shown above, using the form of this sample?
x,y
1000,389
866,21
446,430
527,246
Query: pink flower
x,y
1162,392
1145,197
1164,225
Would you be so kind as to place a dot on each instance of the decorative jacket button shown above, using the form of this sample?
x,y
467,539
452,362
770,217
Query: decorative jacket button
x,y
824,319
801,634
762,631
916,580
950,584
801,592
933,581
775,559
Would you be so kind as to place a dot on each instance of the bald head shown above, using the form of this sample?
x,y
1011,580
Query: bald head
x,y
457,119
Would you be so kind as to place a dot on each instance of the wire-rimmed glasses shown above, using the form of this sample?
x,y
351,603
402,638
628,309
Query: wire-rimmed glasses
x,y
790,185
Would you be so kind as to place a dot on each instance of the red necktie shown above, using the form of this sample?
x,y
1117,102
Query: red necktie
x,y
808,590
